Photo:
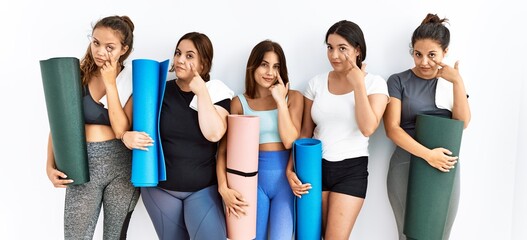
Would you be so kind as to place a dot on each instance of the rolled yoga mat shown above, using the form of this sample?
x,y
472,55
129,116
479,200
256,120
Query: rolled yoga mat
x,y
149,81
429,190
307,154
63,92
242,172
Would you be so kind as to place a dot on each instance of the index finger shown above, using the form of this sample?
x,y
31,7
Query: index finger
x,y
353,64
438,63
193,69
113,59
279,78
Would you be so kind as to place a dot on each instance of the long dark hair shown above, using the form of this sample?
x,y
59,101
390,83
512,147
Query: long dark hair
x,y
256,58
205,52
353,34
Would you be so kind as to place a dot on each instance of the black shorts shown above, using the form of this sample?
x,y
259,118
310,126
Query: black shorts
x,y
349,176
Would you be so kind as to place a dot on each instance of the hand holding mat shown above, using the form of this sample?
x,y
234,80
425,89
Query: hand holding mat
x,y
429,190
307,157
63,93
149,82
242,172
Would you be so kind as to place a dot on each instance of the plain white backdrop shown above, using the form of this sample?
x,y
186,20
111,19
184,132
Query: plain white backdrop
x,y
488,38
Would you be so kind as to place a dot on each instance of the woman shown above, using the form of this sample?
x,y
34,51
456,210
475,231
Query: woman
x,y
107,104
267,96
187,205
342,108
413,92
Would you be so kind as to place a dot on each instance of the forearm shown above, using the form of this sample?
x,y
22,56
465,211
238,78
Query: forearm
x,y
287,129
118,119
366,118
461,109
221,165
406,142
50,162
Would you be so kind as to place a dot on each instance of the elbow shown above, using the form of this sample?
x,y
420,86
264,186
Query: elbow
x,y
288,144
368,131
215,136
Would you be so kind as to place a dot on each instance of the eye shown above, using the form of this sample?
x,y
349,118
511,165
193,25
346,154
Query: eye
x,y
178,54
276,67
95,43
329,47
190,56
109,48
342,49
418,54
432,55
264,64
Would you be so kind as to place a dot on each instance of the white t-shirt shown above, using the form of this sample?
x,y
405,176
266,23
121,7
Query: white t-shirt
x,y
334,117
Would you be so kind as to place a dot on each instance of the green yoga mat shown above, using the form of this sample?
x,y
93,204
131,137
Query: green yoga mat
x,y
63,93
429,189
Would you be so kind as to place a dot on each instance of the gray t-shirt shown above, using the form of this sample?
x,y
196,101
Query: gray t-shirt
x,y
417,96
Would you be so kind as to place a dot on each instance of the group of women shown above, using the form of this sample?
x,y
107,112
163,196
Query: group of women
x,y
341,107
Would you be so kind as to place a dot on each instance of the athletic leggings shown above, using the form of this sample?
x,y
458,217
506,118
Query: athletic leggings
x,y
185,215
110,166
397,183
275,197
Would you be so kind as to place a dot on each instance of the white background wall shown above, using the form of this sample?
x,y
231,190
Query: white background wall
x,y
487,36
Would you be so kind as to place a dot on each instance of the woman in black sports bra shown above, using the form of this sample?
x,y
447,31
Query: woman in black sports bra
x,y
107,104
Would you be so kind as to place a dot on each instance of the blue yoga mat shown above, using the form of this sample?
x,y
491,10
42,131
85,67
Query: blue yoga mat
x,y
307,154
149,81
63,92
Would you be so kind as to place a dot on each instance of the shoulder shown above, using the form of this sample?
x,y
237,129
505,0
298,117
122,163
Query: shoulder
x,y
400,76
236,106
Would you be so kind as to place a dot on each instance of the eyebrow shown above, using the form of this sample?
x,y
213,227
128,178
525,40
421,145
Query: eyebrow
x,y
191,51
339,45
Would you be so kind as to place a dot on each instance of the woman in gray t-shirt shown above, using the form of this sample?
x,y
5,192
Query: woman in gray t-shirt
x,y
416,91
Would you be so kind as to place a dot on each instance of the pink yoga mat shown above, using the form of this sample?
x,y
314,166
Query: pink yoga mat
x,y
242,172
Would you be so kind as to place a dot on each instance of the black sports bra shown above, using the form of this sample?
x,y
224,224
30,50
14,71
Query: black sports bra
x,y
94,113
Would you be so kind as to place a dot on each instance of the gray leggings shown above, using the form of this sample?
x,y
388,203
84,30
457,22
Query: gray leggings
x,y
110,167
397,183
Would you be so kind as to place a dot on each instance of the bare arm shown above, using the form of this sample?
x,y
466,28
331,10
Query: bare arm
x,y
120,117
308,126
438,157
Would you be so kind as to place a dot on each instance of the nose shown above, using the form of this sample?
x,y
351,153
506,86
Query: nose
x,y
334,54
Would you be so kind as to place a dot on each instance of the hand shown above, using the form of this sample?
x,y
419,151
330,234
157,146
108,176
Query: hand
x,y
448,73
197,84
355,75
137,140
297,187
440,158
110,69
279,90
234,202
58,178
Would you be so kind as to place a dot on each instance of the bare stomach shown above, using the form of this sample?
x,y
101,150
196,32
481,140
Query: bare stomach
x,y
272,147
98,133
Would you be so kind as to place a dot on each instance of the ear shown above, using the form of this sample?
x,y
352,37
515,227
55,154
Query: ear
x,y
124,50
446,51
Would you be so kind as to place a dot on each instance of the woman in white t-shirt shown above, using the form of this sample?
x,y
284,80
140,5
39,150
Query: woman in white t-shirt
x,y
342,108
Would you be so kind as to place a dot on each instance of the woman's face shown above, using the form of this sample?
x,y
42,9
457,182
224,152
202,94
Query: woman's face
x,y
186,53
106,43
266,74
338,48
425,52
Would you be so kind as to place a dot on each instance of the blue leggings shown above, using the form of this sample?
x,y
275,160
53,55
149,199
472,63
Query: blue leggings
x,y
275,198
185,215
